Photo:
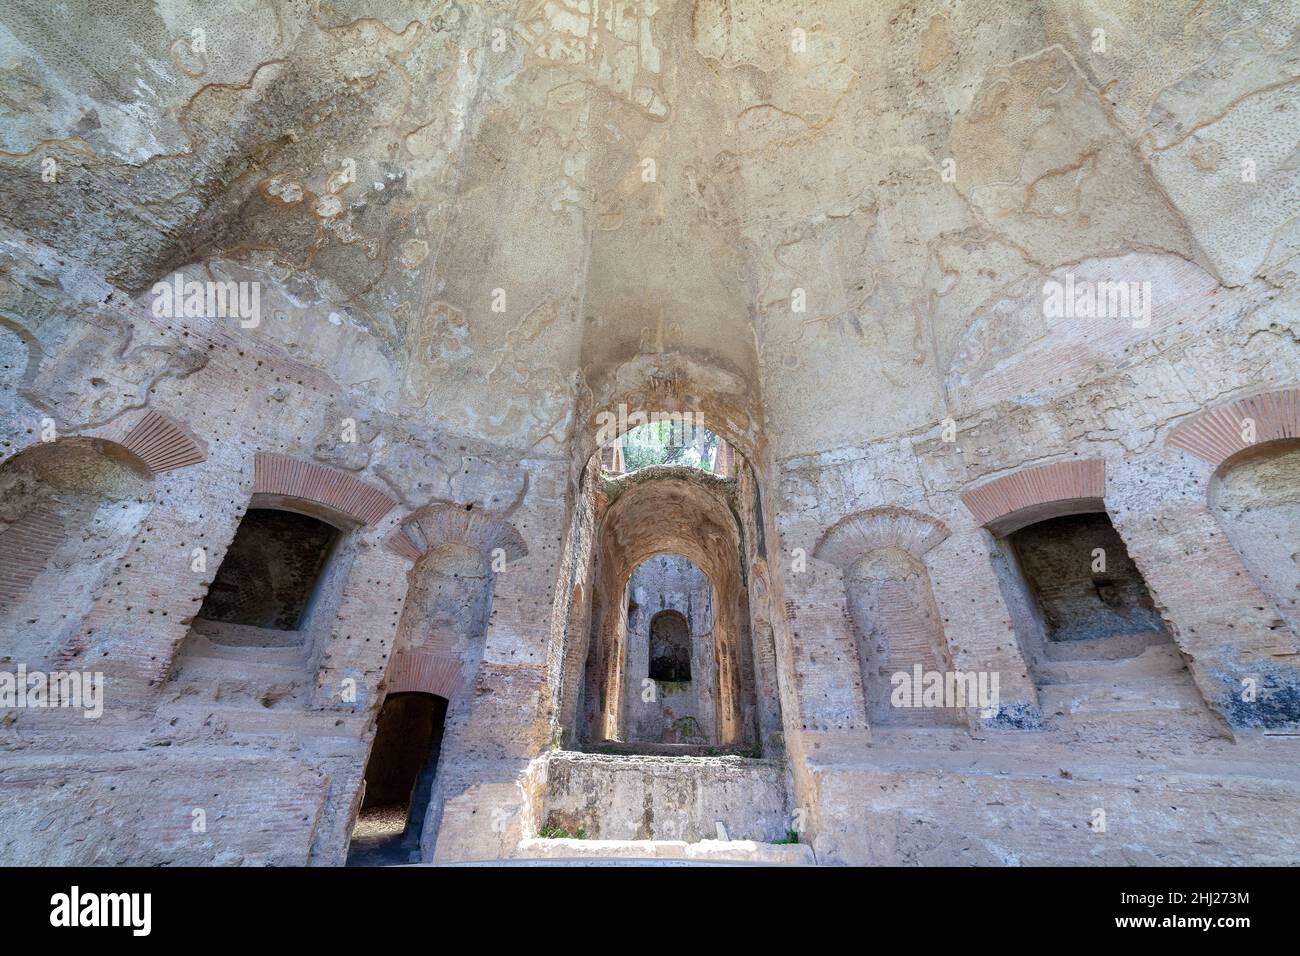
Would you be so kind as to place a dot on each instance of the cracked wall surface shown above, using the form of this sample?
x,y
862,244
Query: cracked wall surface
x,y
477,230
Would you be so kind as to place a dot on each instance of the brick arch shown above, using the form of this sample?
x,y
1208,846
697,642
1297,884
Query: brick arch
x,y
438,524
427,671
1215,434
876,528
1033,494
309,481
26,547
155,442
158,441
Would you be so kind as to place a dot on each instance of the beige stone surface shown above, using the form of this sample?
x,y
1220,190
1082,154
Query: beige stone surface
x,y
474,228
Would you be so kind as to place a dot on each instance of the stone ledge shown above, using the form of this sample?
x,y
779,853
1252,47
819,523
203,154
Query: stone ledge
x,y
704,851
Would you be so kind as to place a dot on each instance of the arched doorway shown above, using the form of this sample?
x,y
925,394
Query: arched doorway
x,y
669,541
398,780
1255,495
671,657
670,647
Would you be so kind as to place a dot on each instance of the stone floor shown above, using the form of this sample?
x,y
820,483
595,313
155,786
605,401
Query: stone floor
x,y
377,837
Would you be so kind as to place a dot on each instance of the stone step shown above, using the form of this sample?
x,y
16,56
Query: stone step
x,y
1121,697
617,747
594,852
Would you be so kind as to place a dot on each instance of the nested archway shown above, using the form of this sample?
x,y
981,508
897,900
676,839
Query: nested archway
x,y
656,512
671,656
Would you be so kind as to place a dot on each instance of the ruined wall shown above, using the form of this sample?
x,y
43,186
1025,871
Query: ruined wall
x,y
841,232
665,798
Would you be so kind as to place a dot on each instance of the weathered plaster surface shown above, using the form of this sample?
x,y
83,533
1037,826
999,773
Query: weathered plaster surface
x,y
477,225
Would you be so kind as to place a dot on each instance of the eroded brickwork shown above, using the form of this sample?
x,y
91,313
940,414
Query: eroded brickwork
x,y
936,275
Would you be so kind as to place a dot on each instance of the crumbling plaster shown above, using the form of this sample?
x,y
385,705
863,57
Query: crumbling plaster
x,y
463,256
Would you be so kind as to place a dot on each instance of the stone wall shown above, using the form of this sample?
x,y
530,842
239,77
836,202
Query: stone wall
x,y
448,241
666,798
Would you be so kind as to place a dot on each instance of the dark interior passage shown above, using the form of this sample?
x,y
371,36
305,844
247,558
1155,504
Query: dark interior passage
x,y
1081,574
399,778
268,576
670,647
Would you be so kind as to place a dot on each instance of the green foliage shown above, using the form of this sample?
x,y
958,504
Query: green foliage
x,y
549,832
791,836
668,443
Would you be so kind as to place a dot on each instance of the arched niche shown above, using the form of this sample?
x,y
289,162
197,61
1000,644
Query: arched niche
x,y
897,626
1255,497
69,511
456,552
1250,445
900,637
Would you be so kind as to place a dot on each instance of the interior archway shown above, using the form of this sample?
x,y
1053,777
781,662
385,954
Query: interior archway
x,y
670,670
398,779
681,518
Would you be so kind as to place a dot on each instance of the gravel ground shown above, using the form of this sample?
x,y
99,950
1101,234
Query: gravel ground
x,y
382,821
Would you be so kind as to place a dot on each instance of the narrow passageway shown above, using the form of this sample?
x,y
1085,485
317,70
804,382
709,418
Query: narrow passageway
x,y
399,777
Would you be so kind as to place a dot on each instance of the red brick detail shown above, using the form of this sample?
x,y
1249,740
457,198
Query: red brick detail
x,y
309,481
423,671
26,547
161,445
399,543
439,524
867,531
1062,481
1215,435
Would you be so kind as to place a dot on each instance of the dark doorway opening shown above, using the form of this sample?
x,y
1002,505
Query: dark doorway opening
x,y
399,780
1086,585
670,647
271,570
